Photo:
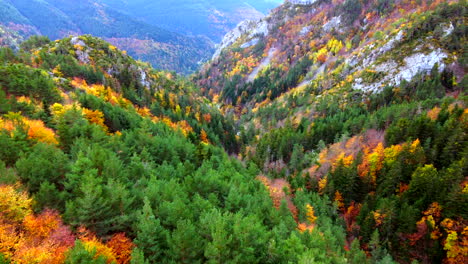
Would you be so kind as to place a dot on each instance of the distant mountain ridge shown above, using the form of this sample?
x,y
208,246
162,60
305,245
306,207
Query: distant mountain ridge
x,y
206,17
59,18
171,35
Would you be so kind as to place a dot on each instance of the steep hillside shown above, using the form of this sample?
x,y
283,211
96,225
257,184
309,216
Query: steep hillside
x,y
106,160
207,17
61,18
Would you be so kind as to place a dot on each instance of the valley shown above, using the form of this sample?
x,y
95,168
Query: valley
x,y
323,132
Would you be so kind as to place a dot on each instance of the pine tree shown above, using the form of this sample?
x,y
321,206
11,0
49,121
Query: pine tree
x,y
44,163
215,227
291,248
297,157
185,244
49,196
150,235
92,207
356,255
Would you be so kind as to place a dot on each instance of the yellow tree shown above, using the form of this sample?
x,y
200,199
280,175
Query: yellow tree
x,y
310,214
204,137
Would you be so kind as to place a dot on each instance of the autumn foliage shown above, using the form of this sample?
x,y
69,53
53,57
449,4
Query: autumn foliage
x,y
95,117
43,238
324,156
94,245
29,238
121,247
35,129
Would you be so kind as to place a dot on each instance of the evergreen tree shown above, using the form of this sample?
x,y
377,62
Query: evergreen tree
x,y
185,244
151,237
138,257
92,206
44,163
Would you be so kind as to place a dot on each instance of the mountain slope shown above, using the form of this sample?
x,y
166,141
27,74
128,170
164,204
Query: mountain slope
x,y
348,39
60,18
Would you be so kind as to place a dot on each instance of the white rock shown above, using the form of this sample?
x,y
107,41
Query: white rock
x,y
143,80
413,65
448,30
335,22
77,41
251,28
265,62
391,43
305,30
250,43
369,58
386,66
420,62
82,54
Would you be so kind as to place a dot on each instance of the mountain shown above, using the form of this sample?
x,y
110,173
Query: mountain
x,y
207,17
298,44
60,18
326,132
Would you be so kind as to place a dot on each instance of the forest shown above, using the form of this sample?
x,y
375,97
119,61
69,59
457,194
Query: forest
x,y
104,159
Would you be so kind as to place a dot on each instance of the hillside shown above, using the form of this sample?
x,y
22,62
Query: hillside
x,y
61,18
326,132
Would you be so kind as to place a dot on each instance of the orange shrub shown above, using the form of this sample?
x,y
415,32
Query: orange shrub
x,y
122,248
38,131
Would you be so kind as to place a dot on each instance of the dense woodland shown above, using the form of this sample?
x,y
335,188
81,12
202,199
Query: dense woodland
x,y
104,159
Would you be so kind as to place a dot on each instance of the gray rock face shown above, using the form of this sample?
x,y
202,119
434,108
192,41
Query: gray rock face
x,y
394,74
448,29
250,28
335,22
305,30
82,52
420,62
77,41
262,65
143,79
250,43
